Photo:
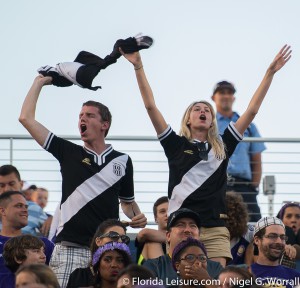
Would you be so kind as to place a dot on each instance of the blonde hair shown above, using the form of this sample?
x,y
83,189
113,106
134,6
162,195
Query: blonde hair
x,y
213,132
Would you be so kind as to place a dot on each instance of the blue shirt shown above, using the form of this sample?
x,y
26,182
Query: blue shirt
x,y
36,218
275,276
240,161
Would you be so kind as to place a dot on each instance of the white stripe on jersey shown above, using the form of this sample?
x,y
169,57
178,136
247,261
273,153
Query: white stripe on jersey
x,y
90,189
48,140
192,180
234,131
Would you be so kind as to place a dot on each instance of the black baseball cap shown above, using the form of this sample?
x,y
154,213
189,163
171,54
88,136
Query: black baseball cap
x,y
183,213
224,85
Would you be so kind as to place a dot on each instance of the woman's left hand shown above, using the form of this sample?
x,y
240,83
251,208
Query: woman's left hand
x,y
281,58
290,251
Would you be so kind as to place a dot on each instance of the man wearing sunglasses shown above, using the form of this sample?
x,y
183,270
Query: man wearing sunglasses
x,y
270,240
182,224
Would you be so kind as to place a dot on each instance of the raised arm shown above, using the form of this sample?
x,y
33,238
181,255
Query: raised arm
x,y
279,61
27,116
156,117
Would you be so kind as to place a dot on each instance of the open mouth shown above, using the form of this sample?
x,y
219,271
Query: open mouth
x,y
202,117
83,128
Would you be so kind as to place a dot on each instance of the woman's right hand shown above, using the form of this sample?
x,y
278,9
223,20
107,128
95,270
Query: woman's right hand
x,y
43,80
134,58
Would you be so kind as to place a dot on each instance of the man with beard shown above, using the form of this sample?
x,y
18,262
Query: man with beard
x,y
270,240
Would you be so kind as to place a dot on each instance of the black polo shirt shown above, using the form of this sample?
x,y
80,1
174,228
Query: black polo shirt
x,y
196,184
91,187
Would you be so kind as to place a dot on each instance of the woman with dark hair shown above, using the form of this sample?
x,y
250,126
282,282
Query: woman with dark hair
x,y
108,231
289,214
108,261
189,259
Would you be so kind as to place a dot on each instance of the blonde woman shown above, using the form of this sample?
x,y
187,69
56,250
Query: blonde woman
x,y
198,156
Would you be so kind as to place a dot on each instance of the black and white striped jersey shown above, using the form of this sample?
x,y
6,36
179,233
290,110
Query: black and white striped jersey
x,y
91,187
194,183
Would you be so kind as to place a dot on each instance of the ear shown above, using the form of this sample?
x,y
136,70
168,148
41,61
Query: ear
x,y
18,260
98,241
2,211
168,236
105,125
177,265
21,183
213,97
256,240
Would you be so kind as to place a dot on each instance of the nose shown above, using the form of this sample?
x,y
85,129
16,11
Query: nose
x,y
114,263
43,255
197,263
294,219
187,229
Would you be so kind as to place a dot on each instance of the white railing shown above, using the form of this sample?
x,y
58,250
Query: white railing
x,y
281,160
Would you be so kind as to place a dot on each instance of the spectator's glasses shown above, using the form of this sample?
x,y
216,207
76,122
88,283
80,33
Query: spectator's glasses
x,y
274,237
116,236
191,258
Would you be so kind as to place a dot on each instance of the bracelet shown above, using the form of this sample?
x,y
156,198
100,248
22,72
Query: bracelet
x,y
138,68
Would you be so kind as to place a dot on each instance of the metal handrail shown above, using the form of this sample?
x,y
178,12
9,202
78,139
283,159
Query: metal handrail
x,y
150,166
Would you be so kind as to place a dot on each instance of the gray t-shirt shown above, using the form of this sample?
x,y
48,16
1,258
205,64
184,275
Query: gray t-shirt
x,y
163,269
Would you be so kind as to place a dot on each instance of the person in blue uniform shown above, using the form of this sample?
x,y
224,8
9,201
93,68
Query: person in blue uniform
x,y
245,167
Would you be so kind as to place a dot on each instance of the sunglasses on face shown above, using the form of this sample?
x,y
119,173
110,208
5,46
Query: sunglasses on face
x,y
191,258
116,236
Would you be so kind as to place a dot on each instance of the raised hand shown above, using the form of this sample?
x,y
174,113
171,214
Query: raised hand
x,y
43,80
281,58
133,58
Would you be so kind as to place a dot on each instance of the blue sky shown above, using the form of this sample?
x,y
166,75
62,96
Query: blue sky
x,y
197,43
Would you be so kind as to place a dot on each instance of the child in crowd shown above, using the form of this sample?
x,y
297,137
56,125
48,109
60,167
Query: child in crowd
x,y
40,197
37,276
19,251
